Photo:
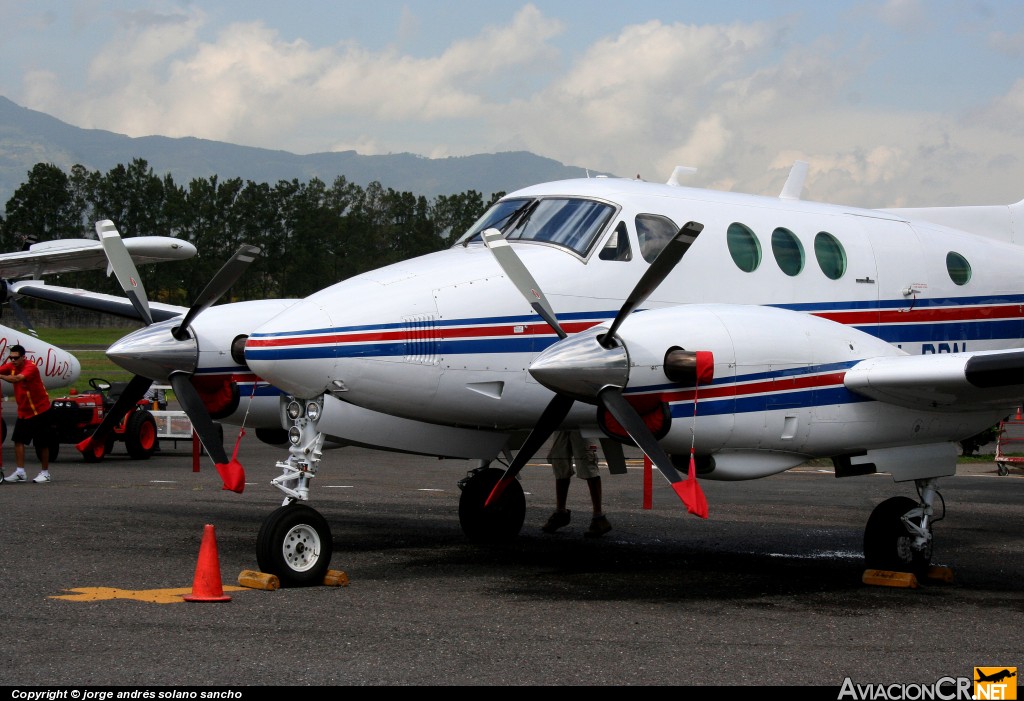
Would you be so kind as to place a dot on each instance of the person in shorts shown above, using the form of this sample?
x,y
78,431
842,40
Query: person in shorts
x,y
568,449
34,417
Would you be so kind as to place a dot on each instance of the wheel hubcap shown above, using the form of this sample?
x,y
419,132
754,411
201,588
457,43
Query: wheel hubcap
x,y
301,548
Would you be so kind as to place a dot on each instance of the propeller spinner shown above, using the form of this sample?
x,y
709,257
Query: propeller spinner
x,y
168,350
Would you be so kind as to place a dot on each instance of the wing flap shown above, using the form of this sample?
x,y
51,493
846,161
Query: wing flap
x,y
978,381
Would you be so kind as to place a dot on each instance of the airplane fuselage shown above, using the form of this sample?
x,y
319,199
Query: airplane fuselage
x,y
57,367
787,294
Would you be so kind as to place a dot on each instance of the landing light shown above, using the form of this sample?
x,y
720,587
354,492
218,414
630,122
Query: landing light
x,y
294,410
294,435
313,411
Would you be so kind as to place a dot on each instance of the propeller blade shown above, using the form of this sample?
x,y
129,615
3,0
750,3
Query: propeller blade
x,y
655,275
215,288
513,267
230,471
555,412
625,414
126,402
193,405
19,312
688,490
124,268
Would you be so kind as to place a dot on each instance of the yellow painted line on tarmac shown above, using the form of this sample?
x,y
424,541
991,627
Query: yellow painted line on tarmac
x,y
151,596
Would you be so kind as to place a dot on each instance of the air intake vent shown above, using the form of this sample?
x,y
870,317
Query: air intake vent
x,y
420,339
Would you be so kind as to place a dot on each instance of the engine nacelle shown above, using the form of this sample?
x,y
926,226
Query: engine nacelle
x,y
777,395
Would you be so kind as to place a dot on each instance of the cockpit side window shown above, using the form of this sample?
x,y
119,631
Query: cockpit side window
x,y
565,221
654,232
617,247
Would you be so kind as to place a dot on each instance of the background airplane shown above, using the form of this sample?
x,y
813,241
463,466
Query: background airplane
x,y
202,350
57,367
748,334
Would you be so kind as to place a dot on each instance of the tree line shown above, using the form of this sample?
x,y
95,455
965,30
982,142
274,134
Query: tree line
x,y
311,234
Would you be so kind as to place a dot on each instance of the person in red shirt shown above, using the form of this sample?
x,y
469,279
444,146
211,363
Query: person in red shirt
x,y
34,422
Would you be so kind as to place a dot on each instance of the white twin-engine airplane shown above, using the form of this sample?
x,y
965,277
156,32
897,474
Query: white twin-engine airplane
x,y
57,367
730,336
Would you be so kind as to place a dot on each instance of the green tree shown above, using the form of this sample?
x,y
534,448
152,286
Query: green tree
x,y
453,215
310,235
42,209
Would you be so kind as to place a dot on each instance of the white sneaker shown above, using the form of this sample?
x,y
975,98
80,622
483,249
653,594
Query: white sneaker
x,y
43,478
16,477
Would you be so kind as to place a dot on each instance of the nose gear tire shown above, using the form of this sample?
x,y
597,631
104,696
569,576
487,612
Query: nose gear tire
x,y
295,544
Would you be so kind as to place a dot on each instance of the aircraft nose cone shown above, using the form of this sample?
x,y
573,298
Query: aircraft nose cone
x,y
153,352
295,351
580,367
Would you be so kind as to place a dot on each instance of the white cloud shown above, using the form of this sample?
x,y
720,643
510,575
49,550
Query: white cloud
x,y
905,15
1011,45
739,101
635,99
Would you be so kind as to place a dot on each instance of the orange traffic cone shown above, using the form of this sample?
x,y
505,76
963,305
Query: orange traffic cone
x,y
1018,416
206,585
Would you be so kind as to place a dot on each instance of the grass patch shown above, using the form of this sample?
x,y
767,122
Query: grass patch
x,y
68,338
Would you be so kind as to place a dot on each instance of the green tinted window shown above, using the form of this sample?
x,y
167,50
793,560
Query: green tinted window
x,y
743,247
958,267
789,252
830,254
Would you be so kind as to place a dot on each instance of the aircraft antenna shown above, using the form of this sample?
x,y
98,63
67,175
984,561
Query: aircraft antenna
x,y
795,182
678,172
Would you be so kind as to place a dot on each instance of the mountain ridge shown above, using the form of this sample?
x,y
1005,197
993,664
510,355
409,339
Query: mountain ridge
x,y
28,137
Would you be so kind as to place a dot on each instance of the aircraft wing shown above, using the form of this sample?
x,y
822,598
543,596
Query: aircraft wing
x,y
944,381
84,299
69,255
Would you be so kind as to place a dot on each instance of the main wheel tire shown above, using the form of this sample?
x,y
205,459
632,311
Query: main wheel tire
x,y
140,435
54,445
295,544
887,542
498,522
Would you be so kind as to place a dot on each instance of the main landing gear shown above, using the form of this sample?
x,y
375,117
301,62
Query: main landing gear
x,y
503,519
294,542
898,536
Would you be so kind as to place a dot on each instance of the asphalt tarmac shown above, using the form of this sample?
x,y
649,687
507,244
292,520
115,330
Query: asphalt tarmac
x,y
767,591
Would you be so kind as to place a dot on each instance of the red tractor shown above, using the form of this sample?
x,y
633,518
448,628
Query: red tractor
x,y
76,416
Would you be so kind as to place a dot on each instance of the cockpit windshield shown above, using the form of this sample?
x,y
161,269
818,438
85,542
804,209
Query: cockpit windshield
x,y
571,222
497,217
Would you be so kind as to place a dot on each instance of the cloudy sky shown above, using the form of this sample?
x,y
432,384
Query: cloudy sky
x,y
892,102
